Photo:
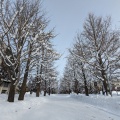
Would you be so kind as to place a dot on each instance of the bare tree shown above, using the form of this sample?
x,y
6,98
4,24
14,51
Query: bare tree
x,y
81,66
22,33
10,41
96,53
103,45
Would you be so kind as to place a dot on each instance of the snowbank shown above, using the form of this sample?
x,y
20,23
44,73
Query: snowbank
x,y
106,103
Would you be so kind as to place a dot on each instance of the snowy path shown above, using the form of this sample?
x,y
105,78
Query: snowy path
x,y
55,107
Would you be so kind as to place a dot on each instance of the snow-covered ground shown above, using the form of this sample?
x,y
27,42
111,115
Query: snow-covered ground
x,y
61,107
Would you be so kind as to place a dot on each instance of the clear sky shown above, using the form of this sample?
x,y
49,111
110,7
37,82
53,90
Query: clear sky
x,y
68,16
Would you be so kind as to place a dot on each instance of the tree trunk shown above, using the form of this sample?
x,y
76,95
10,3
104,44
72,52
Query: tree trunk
x,y
105,87
38,90
44,93
23,88
11,92
105,82
49,91
103,91
31,92
86,88
85,82
76,86
69,91
22,91
103,73
45,89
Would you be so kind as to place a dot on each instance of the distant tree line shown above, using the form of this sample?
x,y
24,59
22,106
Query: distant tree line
x,y
94,61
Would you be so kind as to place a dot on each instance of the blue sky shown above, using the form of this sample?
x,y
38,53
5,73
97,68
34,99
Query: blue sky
x,y
68,16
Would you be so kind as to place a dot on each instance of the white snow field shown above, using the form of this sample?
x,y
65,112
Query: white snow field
x,y
61,107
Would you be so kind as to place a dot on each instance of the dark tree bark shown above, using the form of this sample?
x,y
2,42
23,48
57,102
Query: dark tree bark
x,y
11,92
31,91
23,88
49,91
45,89
86,88
105,87
76,87
11,75
38,90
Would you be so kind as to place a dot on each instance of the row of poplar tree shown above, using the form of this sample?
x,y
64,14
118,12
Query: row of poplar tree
x,y
26,51
94,58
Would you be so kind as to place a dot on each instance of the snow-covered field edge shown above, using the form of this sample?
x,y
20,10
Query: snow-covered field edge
x,y
105,103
